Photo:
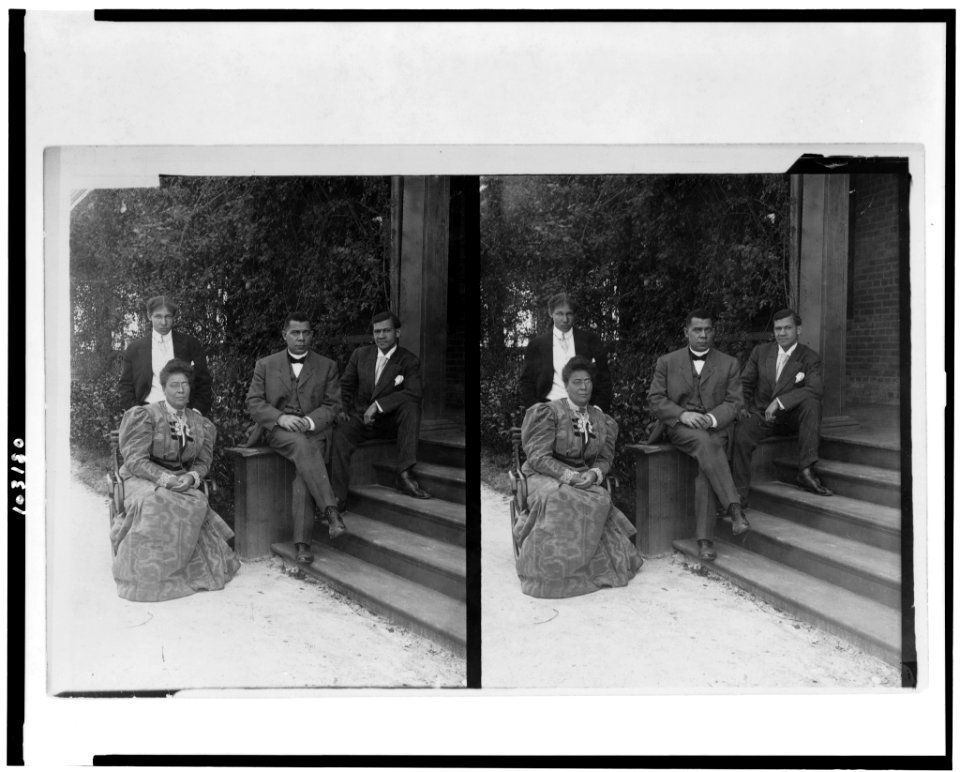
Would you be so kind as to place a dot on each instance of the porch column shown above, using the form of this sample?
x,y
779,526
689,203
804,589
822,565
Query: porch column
x,y
419,272
822,276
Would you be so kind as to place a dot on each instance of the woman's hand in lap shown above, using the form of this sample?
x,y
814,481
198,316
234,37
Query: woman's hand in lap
x,y
183,483
585,480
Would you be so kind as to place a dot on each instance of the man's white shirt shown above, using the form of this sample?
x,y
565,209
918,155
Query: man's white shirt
x,y
563,352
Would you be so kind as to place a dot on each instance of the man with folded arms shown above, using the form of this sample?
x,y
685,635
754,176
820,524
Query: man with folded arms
x,y
696,393
295,398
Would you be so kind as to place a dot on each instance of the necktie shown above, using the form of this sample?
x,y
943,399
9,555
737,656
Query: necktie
x,y
564,344
781,361
381,364
698,357
296,365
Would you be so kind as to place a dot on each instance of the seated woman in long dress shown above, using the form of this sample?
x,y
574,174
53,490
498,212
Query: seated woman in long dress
x,y
572,539
170,543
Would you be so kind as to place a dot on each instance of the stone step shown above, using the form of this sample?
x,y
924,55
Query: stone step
x,y
860,568
861,521
436,518
867,623
435,564
445,450
842,445
442,482
425,611
855,481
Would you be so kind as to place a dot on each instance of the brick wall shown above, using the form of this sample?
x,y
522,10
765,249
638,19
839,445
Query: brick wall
x,y
873,318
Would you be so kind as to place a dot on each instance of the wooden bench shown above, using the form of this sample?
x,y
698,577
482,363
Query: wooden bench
x,y
264,493
665,478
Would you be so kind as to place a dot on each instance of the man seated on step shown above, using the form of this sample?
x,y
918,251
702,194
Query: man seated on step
x,y
295,398
696,393
381,395
782,389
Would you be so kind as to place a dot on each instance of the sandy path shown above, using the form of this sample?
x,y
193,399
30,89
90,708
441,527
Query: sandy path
x,y
265,629
669,629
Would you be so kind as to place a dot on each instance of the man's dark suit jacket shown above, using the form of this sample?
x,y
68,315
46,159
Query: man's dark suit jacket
x,y
672,386
136,375
318,389
760,384
536,378
400,381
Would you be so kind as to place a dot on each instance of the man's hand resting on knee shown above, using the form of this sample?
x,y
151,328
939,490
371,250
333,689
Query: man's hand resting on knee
x,y
293,423
695,420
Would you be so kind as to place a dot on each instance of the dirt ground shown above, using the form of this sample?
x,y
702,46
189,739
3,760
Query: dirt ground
x,y
268,628
669,629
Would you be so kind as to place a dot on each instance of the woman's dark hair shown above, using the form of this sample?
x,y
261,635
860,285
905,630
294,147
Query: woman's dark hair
x,y
559,299
162,301
173,367
575,364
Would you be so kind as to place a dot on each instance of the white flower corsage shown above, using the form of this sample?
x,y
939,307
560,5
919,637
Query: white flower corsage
x,y
398,380
799,378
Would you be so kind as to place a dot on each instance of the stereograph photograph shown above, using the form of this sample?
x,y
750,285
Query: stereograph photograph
x,y
442,407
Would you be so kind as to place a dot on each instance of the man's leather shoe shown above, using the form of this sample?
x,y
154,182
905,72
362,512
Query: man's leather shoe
x,y
303,553
334,521
809,482
706,552
407,483
740,524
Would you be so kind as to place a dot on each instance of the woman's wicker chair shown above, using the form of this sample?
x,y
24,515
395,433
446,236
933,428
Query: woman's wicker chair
x,y
518,486
114,481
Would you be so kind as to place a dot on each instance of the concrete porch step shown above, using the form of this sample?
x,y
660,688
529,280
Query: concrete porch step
x,y
425,611
436,518
846,445
860,568
855,481
861,521
867,623
442,482
435,564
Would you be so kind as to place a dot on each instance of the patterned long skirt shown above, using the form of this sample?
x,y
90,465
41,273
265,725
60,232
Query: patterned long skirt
x,y
169,544
572,541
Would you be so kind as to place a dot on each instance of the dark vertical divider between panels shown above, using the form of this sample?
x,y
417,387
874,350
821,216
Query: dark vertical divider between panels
x,y
470,187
